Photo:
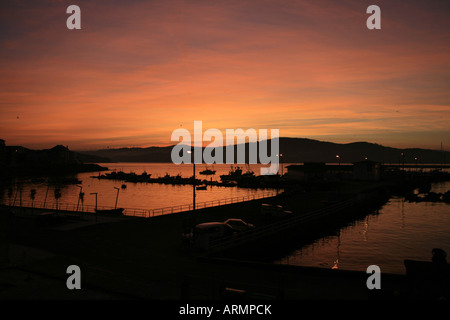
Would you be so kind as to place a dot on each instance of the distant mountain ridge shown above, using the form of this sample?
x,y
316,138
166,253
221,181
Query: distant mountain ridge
x,y
294,150
59,160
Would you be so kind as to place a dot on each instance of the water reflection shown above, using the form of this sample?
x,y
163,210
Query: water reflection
x,y
399,230
77,190
336,262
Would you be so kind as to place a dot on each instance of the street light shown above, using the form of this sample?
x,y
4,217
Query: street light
x,y
339,170
193,183
45,199
403,160
281,159
117,196
79,195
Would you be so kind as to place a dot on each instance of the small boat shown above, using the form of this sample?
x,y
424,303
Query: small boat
x,y
208,172
237,175
446,197
201,187
232,175
118,211
248,173
127,177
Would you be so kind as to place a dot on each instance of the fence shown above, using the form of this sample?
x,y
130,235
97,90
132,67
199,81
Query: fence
x,y
139,212
211,203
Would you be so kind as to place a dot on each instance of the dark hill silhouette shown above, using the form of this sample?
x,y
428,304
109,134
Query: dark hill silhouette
x,y
296,150
59,160
150,154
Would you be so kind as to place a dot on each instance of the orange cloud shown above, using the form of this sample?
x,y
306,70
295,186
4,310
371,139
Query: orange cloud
x,y
136,72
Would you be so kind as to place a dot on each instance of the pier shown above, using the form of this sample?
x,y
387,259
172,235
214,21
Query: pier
x,y
144,259
80,209
147,258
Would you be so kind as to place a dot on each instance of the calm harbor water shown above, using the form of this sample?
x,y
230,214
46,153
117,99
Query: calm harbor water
x,y
399,230
135,195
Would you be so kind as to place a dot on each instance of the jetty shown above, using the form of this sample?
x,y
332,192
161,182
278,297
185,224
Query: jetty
x,y
147,257
166,179
235,177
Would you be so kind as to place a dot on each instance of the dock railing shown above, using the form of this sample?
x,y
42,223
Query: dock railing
x,y
137,212
211,203
71,207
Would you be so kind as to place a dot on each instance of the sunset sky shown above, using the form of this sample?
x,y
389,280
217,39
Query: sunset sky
x,y
137,70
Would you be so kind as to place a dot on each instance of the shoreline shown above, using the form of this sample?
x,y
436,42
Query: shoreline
x,y
145,258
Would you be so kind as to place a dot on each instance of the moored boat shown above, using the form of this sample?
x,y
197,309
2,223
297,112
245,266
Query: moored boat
x,y
208,172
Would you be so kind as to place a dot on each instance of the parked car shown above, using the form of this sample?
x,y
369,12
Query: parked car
x,y
239,225
204,233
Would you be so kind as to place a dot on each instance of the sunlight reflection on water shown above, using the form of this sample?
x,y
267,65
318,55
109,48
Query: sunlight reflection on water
x,y
136,195
401,230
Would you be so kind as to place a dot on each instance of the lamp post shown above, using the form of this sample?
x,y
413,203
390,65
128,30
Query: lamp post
x,y
32,196
45,199
79,195
417,167
282,167
339,170
281,159
403,160
117,196
193,182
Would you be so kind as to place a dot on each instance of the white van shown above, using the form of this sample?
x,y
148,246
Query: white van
x,y
204,233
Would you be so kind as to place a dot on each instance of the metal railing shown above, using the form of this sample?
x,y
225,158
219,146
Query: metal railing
x,y
221,244
71,207
211,203
137,212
